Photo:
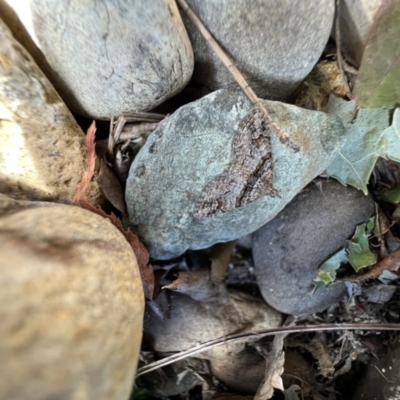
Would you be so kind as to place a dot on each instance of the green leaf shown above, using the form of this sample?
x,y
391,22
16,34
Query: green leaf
x,y
360,255
370,225
327,271
389,144
378,80
391,195
366,139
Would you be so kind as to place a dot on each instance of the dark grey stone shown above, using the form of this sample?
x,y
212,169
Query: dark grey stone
x,y
274,44
194,146
288,250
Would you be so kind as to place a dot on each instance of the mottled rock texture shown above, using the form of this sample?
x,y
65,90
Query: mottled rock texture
x,y
288,250
194,147
71,305
109,57
42,147
275,45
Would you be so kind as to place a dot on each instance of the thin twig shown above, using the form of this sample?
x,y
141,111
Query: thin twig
x,y
237,75
116,129
242,337
134,131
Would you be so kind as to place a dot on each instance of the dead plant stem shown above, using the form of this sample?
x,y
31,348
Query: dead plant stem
x,y
242,337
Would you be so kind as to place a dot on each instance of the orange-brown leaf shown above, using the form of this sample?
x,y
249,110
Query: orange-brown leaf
x,y
80,199
90,160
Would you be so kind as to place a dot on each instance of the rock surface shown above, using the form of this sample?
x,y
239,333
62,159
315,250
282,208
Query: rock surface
x,y
71,306
381,380
110,57
42,147
288,250
356,18
190,151
275,47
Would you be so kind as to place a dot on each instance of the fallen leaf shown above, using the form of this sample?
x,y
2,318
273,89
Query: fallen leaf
x,y
378,80
363,145
196,284
391,195
327,271
80,199
359,253
111,187
390,263
220,256
389,143
205,284
378,294
90,161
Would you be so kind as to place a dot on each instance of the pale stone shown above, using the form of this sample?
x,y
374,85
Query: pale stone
x,y
71,305
42,147
109,57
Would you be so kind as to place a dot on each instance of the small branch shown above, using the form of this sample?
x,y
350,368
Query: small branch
x,y
243,337
283,137
116,130
134,131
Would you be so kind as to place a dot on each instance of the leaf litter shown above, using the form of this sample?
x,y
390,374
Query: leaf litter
x,y
80,199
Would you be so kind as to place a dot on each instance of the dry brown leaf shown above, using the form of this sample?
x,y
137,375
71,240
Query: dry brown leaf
x,y
220,256
196,284
111,187
80,199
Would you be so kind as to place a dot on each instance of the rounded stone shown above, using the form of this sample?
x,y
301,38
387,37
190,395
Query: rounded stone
x,y
71,306
288,250
197,147
274,45
110,57
42,153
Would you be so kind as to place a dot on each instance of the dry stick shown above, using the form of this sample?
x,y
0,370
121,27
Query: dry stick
x,y
115,130
283,137
338,51
242,337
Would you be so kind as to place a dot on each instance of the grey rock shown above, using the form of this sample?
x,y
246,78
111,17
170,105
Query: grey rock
x,y
356,18
289,249
194,147
113,56
275,45
381,379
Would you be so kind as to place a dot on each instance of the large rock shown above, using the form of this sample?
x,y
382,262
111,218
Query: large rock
x,y
41,145
275,45
110,57
356,19
176,191
71,305
288,250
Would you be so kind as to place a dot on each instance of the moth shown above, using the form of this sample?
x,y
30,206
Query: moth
x,y
250,174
